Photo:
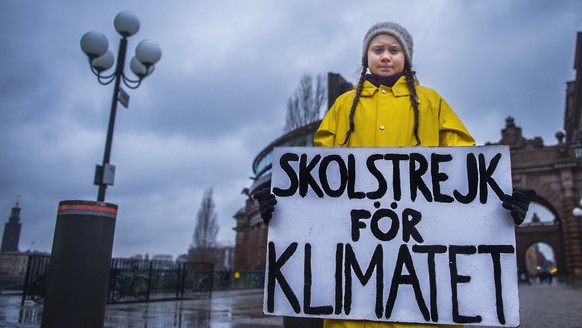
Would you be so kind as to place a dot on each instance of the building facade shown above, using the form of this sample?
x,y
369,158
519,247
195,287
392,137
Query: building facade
x,y
12,270
555,172
251,232
221,256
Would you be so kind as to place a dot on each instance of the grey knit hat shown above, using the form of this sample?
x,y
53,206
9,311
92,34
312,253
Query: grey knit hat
x,y
393,29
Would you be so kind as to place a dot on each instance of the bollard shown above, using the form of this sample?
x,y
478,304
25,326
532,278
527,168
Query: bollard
x,y
76,292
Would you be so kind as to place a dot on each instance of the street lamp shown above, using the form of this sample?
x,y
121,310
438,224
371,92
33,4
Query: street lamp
x,y
95,45
577,211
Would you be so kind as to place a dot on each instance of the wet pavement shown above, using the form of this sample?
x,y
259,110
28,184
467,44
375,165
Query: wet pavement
x,y
541,306
226,309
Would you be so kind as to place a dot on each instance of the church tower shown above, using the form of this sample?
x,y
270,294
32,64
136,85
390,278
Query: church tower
x,y
11,234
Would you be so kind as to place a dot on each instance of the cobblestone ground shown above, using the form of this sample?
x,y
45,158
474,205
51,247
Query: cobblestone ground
x,y
556,306
541,306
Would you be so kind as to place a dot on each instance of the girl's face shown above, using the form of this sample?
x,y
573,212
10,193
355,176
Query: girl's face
x,y
385,55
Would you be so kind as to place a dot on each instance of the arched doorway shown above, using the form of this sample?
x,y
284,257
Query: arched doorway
x,y
540,263
539,245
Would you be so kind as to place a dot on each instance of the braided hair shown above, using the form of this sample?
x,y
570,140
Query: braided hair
x,y
414,100
356,100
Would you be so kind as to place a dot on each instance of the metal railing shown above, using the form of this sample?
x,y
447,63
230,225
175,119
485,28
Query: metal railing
x,y
36,278
144,280
133,280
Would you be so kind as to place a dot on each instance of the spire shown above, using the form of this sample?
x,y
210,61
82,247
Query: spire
x,y
15,215
11,234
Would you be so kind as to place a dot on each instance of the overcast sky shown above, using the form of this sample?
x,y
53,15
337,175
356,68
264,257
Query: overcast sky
x,y
218,96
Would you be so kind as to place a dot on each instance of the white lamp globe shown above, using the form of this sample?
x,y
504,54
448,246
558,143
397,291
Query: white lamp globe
x,y
126,23
148,52
94,44
104,62
138,68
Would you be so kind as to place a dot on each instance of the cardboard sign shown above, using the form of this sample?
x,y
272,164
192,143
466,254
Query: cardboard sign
x,y
413,234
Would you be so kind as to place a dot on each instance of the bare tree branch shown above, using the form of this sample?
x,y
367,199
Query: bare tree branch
x,y
305,105
206,229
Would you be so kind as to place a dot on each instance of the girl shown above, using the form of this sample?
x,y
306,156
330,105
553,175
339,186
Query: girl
x,y
388,108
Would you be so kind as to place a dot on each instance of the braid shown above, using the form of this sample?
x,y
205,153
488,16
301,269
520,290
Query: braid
x,y
356,100
414,100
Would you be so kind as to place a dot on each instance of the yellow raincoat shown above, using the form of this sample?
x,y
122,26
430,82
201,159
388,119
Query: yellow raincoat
x,y
385,118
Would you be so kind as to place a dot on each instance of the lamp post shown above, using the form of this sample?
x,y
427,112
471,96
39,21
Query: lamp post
x,y
95,45
76,292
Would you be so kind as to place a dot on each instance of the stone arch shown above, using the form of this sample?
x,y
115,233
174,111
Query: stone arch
x,y
545,232
529,235
547,196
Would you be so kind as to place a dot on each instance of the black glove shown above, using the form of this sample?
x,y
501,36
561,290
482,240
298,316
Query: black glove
x,y
518,203
267,203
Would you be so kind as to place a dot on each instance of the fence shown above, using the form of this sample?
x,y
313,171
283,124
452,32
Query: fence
x,y
144,280
133,280
36,278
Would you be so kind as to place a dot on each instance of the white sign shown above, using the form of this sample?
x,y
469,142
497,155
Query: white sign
x,y
123,98
413,234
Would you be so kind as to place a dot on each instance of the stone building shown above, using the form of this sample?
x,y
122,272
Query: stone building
x,y
555,172
222,256
12,269
251,232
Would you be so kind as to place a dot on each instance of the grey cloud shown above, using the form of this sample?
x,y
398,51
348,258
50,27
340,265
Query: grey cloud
x,y
218,95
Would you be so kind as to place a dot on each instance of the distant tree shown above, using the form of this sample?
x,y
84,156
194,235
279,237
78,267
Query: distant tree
x,y
205,231
305,104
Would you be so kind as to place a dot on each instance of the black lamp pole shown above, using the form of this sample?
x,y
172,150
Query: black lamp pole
x,y
107,154
147,53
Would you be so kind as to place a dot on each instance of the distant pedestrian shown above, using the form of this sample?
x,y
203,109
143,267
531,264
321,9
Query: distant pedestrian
x,y
524,277
550,278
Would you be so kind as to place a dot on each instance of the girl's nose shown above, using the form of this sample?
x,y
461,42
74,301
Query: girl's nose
x,y
385,56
